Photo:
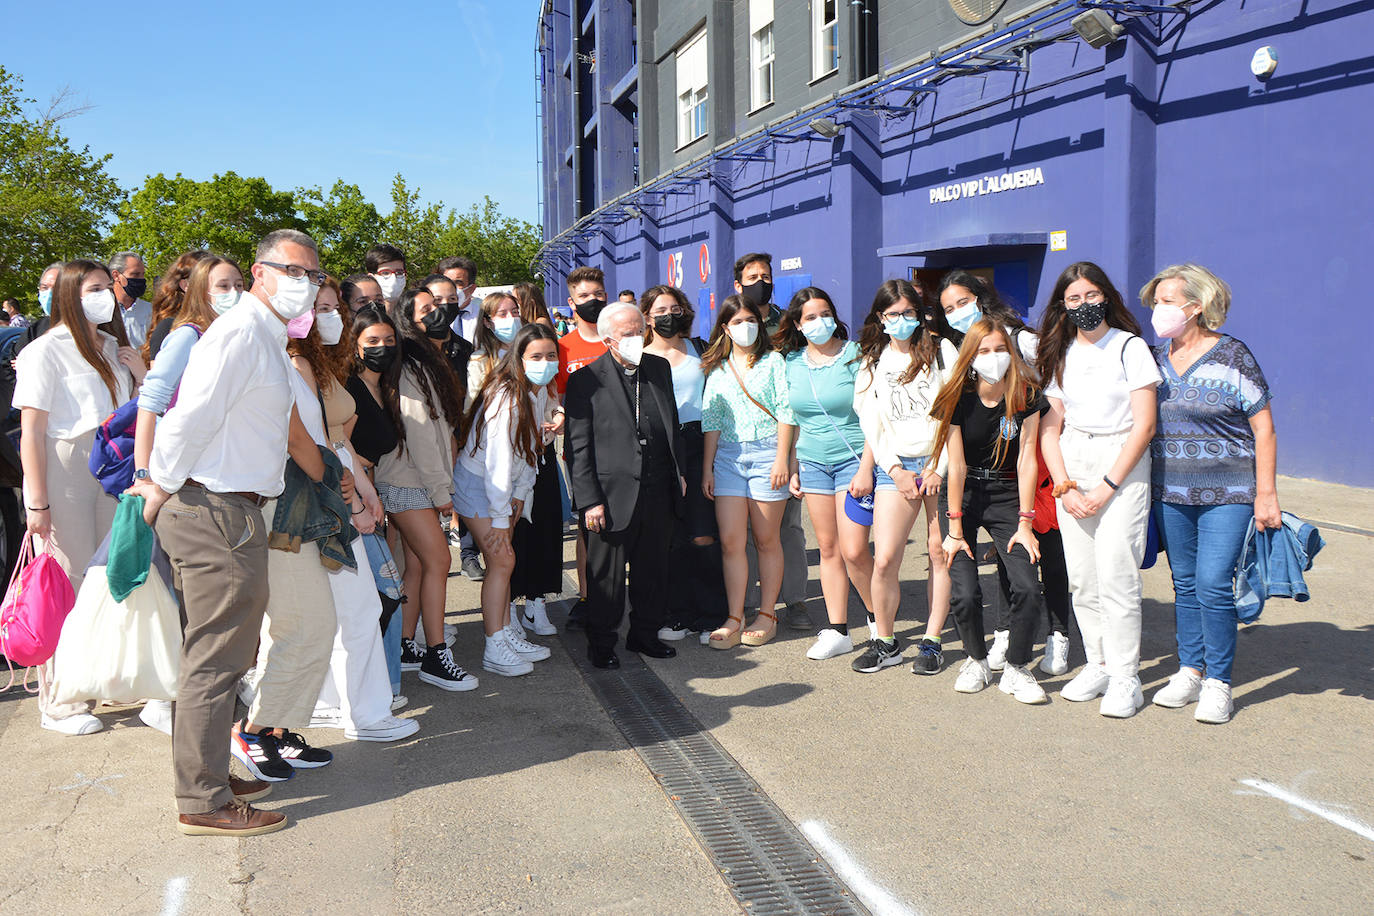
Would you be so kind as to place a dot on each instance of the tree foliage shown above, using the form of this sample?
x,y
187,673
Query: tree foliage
x,y
343,223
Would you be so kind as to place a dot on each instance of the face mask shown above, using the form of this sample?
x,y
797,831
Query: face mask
x,y
331,327
819,330
590,310
684,324
379,359
901,328
294,296
744,334
760,292
298,328
1089,315
505,328
666,325
45,301
436,324
391,284
631,349
223,302
99,307
1168,320
135,287
539,372
992,366
962,318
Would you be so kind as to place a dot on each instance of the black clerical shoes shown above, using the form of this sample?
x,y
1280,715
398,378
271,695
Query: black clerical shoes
x,y
650,646
603,658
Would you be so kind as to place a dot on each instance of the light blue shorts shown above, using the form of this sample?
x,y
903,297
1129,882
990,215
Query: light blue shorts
x,y
742,469
469,494
916,465
827,479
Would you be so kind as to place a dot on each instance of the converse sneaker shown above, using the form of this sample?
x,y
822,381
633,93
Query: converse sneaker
x,y
997,655
327,717
1183,688
536,617
157,714
443,672
1087,684
1018,682
1056,660
515,627
259,754
830,643
399,701
295,751
930,657
388,728
672,632
974,675
1122,699
880,654
1214,702
527,650
412,656
500,657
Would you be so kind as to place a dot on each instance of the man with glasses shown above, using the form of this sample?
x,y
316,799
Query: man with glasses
x,y
218,458
464,316
130,283
387,265
359,292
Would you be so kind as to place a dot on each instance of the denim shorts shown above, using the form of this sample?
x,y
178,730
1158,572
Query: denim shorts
x,y
916,465
469,494
827,479
742,469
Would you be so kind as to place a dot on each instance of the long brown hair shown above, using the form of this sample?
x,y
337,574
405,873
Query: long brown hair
x,y
169,296
388,382
66,310
507,377
925,346
443,391
531,301
1058,332
485,340
195,308
338,359
1020,388
789,337
721,343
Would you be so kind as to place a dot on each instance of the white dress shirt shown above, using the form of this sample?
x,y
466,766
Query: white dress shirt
x,y
228,428
136,319
465,325
52,375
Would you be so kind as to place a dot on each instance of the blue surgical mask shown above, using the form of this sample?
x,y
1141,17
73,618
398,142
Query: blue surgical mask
x,y
223,302
901,328
819,330
540,372
962,318
505,328
45,300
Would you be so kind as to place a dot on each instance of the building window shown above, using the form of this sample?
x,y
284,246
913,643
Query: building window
x,y
760,53
825,37
692,107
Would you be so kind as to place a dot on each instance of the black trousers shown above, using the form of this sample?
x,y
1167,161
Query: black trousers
x,y
696,580
1054,577
993,506
538,543
642,545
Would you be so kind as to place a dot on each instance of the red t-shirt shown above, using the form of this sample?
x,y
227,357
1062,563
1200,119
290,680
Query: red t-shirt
x,y
574,352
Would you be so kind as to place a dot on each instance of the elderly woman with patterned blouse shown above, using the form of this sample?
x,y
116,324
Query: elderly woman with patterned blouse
x,y
1213,469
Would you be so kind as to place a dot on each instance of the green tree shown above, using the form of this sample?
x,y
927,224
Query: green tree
x,y
413,227
343,223
54,200
502,246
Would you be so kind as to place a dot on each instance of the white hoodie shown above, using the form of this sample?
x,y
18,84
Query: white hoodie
x,y
896,417
506,475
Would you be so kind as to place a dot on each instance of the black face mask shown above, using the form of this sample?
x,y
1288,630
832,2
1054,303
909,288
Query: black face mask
x,y
1088,315
379,359
135,287
759,293
436,324
590,310
667,325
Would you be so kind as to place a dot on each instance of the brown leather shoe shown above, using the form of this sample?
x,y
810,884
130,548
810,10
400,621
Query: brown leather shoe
x,y
234,819
249,790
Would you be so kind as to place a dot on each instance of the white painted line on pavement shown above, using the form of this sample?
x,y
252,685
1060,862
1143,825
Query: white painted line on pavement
x,y
875,897
1311,807
174,896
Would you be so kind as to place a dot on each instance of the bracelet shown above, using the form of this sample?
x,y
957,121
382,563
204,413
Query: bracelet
x,y
1108,481
949,514
359,511
39,508
1029,515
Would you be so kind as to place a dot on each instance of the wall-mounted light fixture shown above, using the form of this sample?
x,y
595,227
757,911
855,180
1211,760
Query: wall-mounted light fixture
x,y
1097,28
1264,63
826,127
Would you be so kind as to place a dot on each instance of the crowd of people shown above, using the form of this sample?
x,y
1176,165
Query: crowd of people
x,y
296,432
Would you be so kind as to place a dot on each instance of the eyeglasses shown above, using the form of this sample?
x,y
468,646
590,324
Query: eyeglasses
x,y
295,272
675,310
1093,298
893,316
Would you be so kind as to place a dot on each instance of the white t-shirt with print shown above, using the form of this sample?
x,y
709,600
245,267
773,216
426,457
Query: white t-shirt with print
x,y
1099,379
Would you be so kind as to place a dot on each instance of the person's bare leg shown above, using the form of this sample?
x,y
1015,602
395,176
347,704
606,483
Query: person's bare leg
x,y
732,513
424,538
834,579
496,586
893,516
858,561
937,584
765,519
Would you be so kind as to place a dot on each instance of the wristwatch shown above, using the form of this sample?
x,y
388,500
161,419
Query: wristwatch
x,y
141,474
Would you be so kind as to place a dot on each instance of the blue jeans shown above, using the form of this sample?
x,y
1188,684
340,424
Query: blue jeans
x,y
1203,543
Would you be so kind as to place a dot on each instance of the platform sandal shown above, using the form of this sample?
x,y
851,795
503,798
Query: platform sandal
x,y
728,640
749,640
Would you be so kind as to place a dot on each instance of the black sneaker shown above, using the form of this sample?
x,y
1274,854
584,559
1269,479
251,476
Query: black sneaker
x,y
577,617
300,755
878,655
259,754
443,672
931,657
472,568
412,656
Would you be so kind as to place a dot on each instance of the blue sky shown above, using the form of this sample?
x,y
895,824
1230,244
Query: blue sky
x,y
298,93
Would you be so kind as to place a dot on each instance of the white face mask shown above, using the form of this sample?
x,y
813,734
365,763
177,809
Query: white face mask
x,y
462,299
505,327
223,302
744,334
294,296
992,366
391,284
962,318
330,326
631,349
99,307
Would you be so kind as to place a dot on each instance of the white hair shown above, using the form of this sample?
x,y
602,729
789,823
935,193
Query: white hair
x,y
272,242
120,260
609,313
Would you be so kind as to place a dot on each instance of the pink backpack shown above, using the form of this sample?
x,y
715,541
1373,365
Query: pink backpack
x,y
38,600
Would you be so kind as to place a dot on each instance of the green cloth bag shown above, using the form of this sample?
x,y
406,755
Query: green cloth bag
x,y
131,548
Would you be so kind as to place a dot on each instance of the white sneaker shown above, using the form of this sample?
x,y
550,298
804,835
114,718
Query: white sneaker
x,y
1056,660
389,728
974,675
158,714
246,691
704,637
1088,684
830,643
526,649
515,626
83,723
1183,688
1019,683
536,617
1214,702
672,633
327,717
399,701
500,658
1122,699
450,635
997,655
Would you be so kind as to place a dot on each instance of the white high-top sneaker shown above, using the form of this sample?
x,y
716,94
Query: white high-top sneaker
x,y
536,617
515,626
500,658
524,648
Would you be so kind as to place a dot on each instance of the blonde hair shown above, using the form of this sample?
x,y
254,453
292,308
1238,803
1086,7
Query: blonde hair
x,y
1200,285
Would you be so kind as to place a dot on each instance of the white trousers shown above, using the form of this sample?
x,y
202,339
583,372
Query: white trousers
x,y
1103,552
358,681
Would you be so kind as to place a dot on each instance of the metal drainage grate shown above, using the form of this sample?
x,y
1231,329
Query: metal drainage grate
x,y
765,861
